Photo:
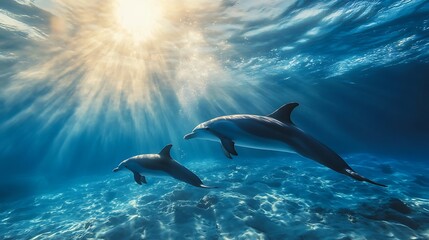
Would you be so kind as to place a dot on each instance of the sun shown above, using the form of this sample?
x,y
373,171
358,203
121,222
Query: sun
x,y
139,18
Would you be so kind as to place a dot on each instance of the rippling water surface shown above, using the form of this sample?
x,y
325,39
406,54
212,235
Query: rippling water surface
x,y
86,84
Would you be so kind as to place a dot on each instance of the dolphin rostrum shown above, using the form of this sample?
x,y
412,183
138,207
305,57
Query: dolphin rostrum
x,y
274,132
158,165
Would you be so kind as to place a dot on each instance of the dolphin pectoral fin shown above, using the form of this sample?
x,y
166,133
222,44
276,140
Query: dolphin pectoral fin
x,y
228,146
227,154
139,178
143,179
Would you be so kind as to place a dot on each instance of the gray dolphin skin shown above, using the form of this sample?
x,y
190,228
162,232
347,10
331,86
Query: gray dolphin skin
x,y
159,165
274,132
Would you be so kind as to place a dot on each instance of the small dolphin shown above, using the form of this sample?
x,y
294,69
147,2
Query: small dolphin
x,y
158,165
273,132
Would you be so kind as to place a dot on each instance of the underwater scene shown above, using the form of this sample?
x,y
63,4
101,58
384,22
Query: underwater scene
x,y
198,119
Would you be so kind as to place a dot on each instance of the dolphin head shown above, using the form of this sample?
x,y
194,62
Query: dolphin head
x,y
121,166
201,131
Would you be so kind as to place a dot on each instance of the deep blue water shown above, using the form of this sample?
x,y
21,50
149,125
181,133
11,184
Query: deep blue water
x,y
81,89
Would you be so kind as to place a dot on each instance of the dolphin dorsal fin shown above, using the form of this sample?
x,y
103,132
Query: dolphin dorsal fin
x,y
165,152
283,113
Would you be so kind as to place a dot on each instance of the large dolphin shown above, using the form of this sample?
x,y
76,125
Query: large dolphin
x,y
274,132
158,165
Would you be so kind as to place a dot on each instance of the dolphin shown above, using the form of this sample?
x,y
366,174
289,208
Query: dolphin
x,y
158,165
275,132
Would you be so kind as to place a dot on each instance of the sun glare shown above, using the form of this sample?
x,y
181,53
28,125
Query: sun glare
x,y
139,18
132,55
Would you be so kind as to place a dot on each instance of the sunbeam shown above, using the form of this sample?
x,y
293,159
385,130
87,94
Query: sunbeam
x,y
135,65
140,18
113,66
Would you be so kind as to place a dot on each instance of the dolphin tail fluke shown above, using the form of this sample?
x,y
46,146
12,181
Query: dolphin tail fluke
x,y
358,177
183,174
375,183
204,186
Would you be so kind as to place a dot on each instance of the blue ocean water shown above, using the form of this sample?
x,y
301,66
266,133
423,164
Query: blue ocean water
x,y
87,84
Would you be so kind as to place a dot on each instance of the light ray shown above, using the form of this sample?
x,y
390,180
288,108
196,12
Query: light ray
x,y
91,77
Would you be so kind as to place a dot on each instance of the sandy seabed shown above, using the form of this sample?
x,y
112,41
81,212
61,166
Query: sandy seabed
x,y
276,198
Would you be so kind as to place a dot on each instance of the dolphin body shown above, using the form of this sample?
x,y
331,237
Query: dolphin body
x,y
158,165
274,132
